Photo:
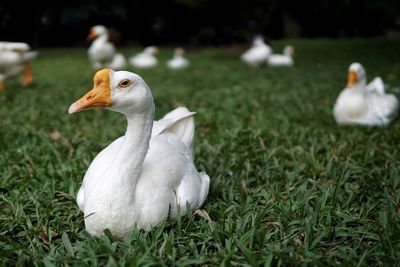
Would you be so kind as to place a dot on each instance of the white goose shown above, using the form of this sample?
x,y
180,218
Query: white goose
x,y
258,53
118,62
364,104
178,61
145,59
286,59
146,174
15,58
102,52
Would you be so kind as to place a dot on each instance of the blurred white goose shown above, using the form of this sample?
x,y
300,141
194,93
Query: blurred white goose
x,y
286,59
145,59
178,61
101,52
364,104
258,53
118,62
146,174
15,58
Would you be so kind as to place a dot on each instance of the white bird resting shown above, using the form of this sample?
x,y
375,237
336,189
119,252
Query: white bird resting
x,y
257,54
102,52
178,61
285,59
15,58
145,59
364,104
118,62
148,173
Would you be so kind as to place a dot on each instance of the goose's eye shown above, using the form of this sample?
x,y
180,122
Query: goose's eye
x,y
124,83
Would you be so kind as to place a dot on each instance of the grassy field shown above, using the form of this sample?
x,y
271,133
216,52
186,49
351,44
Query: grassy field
x,y
288,185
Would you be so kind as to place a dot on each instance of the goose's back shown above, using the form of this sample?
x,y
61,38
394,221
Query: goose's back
x,y
169,180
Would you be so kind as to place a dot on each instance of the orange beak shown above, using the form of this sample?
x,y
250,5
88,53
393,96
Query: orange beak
x,y
99,96
352,79
91,35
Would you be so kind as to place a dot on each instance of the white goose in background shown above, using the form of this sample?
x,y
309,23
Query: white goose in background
x,y
258,53
146,174
285,59
364,104
178,61
102,51
118,62
15,58
145,59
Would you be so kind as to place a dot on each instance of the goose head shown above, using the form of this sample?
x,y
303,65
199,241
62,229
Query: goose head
x,y
356,76
152,50
258,41
95,31
179,52
288,51
121,91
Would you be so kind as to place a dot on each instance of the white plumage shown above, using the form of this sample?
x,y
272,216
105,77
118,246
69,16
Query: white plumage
x,y
145,59
102,51
15,58
178,61
118,62
146,174
364,104
257,54
285,59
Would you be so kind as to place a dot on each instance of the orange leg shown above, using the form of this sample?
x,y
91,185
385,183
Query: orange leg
x,y
1,86
28,75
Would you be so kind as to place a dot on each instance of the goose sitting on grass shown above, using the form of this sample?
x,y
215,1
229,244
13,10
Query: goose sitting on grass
x,y
364,104
278,60
258,53
145,59
118,62
145,175
15,58
178,61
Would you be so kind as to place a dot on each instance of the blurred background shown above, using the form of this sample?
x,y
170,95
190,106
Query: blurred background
x,y
195,22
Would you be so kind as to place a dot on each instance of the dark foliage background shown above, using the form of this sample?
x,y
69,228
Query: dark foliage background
x,y
64,23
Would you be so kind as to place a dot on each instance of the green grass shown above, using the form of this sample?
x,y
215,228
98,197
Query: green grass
x,y
288,185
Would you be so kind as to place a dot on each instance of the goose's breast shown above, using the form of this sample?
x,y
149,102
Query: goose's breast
x,y
166,162
351,105
102,161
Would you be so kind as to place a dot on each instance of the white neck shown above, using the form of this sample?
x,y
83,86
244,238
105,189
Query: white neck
x,y
362,81
358,88
102,38
259,43
126,167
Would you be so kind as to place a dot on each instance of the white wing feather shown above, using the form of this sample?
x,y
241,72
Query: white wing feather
x,y
377,86
180,122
